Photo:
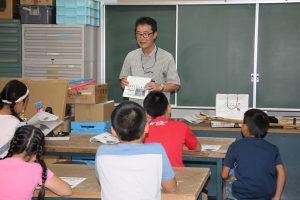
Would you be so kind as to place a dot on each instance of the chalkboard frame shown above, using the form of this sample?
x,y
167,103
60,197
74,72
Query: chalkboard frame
x,y
255,86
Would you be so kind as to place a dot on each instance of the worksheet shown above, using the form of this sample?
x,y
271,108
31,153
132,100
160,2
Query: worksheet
x,y
135,88
209,147
73,181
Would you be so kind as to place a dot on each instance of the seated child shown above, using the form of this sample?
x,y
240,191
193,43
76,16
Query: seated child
x,y
23,170
131,169
13,101
257,163
173,135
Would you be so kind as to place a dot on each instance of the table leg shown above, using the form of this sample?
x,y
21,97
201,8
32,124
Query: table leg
x,y
219,179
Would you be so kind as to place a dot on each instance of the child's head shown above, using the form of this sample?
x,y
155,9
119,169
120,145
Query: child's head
x,y
14,95
129,121
156,104
256,123
29,142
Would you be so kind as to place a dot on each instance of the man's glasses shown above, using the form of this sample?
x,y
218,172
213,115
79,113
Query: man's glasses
x,y
144,35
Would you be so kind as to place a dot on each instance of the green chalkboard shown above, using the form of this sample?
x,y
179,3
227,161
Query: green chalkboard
x,y
120,37
215,52
279,56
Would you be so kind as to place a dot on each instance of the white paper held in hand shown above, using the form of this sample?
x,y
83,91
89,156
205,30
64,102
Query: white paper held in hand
x,y
44,121
135,88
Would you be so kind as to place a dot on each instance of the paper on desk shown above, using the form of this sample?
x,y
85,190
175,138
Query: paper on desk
x,y
208,147
73,181
105,138
135,88
192,119
58,138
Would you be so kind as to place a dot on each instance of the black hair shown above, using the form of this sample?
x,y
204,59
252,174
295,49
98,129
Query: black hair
x,y
11,92
257,121
146,20
128,120
31,141
156,104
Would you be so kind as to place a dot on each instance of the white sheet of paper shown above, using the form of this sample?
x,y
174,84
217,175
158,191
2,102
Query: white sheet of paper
x,y
135,88
73,181
192,119
208,147
105,138
58,138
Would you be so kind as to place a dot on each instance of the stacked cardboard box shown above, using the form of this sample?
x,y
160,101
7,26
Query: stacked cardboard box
x,y
91,108
92,112
9,9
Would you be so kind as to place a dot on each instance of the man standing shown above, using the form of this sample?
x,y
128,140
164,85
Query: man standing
x,y
150,61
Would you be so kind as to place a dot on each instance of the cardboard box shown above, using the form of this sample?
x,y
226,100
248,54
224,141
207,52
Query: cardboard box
x,y
65,126
38,2
94,112
51,92
11,10
89,94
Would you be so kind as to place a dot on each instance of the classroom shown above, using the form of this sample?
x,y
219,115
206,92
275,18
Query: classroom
x,y
240,53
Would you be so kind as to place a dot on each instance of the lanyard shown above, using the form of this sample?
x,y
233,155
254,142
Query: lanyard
x,y
146,70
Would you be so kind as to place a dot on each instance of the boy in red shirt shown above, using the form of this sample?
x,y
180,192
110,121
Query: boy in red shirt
x,y
173,135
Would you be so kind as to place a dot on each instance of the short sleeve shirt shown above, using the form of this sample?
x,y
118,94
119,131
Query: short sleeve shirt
x,y
173,135
160,67
255,163
21,178
132,171
8,124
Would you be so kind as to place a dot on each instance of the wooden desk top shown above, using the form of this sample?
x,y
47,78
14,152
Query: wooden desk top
x,y
79,143
205,126
225,142
190,181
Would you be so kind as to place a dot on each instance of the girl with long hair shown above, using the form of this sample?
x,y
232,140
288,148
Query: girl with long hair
x,y
23,168
13,100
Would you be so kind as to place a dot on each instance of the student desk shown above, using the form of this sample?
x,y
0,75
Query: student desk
x,y
79,145
190,182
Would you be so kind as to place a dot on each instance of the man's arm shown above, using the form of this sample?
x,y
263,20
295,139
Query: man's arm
x,y
125,71
170,87
280,181
170,185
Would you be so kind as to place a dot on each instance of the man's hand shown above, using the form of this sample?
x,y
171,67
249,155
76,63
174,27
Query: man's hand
x,y
124,82
152,86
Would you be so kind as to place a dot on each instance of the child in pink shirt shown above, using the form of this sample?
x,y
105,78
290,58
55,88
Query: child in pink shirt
x,y
23,170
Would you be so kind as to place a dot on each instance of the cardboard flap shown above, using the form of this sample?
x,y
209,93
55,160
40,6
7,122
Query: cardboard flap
x,y
51,92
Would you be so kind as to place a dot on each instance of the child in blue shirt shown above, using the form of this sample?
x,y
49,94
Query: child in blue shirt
x,y
131,169
257,164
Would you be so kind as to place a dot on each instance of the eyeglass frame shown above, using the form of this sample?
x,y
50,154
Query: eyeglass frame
x,y
144,35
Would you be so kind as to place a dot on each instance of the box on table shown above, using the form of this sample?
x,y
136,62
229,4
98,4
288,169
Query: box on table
x,y
65,126
9,9
38,2
89,94
35,14
94,112
90,127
